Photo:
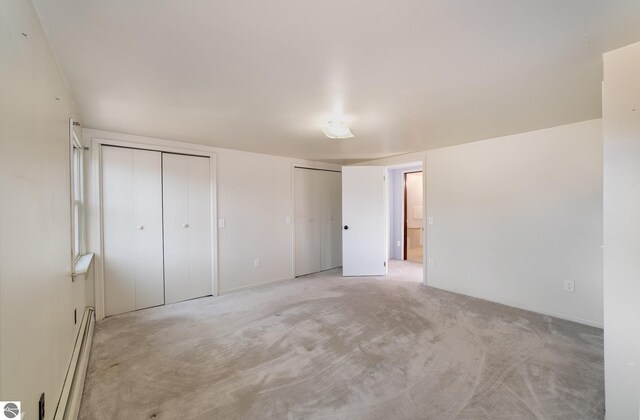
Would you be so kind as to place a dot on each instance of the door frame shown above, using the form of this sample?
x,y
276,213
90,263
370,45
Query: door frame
x,y
96,227
406,212
401,163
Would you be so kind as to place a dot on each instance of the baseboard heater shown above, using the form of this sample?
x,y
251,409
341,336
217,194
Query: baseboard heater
x,y
69,404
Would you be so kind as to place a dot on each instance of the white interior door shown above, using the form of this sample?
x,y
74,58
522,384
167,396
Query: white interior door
x,y
132,225
187,227
363,217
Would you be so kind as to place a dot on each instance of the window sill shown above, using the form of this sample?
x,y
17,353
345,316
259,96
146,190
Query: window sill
x,y
82,264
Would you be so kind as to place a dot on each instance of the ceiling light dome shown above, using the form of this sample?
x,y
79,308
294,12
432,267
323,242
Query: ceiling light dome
x,y
337,130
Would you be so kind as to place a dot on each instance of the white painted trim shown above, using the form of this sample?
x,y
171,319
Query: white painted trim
x,y
158,145
253,286
523,307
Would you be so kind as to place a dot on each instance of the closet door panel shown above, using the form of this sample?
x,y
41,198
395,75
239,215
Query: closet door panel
x,y
175,184
336,219
118,230
315,260
199,230
302,199
331,209
147,209
325,219
318,220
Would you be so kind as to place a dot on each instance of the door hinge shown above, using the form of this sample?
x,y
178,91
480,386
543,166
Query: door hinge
x,y
385,263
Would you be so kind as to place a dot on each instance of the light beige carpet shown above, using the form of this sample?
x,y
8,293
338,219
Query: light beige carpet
x,y
327,347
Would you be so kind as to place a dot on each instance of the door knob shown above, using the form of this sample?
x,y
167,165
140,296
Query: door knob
x,y
139,227
346,227
185,225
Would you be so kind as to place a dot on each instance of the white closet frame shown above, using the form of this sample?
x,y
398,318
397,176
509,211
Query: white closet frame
x,y
96,226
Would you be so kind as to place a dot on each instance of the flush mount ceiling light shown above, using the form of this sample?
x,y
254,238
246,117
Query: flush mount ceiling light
x,y
337,130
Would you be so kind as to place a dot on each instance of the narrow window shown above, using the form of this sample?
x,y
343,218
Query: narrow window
x,y
77,199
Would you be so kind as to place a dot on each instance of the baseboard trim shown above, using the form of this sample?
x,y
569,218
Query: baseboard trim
x,y
252,286
521,306
69,403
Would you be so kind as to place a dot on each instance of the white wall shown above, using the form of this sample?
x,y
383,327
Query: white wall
x,y
37,296
516,216
255,196
621,121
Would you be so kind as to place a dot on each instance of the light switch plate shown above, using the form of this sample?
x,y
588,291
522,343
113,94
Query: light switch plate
x,y
220,223
256,262
287,220
430,220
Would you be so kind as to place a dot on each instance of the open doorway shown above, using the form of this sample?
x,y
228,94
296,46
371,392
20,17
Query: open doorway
x,y
413,217
406,224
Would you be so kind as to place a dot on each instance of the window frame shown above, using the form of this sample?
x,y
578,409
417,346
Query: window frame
x,y
76,182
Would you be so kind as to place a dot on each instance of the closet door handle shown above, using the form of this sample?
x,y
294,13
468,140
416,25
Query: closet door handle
x,y
185,225
139,227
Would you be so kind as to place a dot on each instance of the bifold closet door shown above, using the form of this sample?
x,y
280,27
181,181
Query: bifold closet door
x,y
132,229
187,227
330,219
318,220
307,221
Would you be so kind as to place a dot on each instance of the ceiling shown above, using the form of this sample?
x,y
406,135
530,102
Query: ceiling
x,y
405,76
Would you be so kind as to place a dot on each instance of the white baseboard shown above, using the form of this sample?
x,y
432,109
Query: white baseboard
x,y
69,404
522,306
252,286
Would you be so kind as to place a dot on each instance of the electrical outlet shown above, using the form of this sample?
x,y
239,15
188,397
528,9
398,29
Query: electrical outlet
x,y
569,286
256,262
398,243
430,262
430,220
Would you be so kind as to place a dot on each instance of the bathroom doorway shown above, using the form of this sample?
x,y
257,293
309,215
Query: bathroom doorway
x,y
405,212
413,217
